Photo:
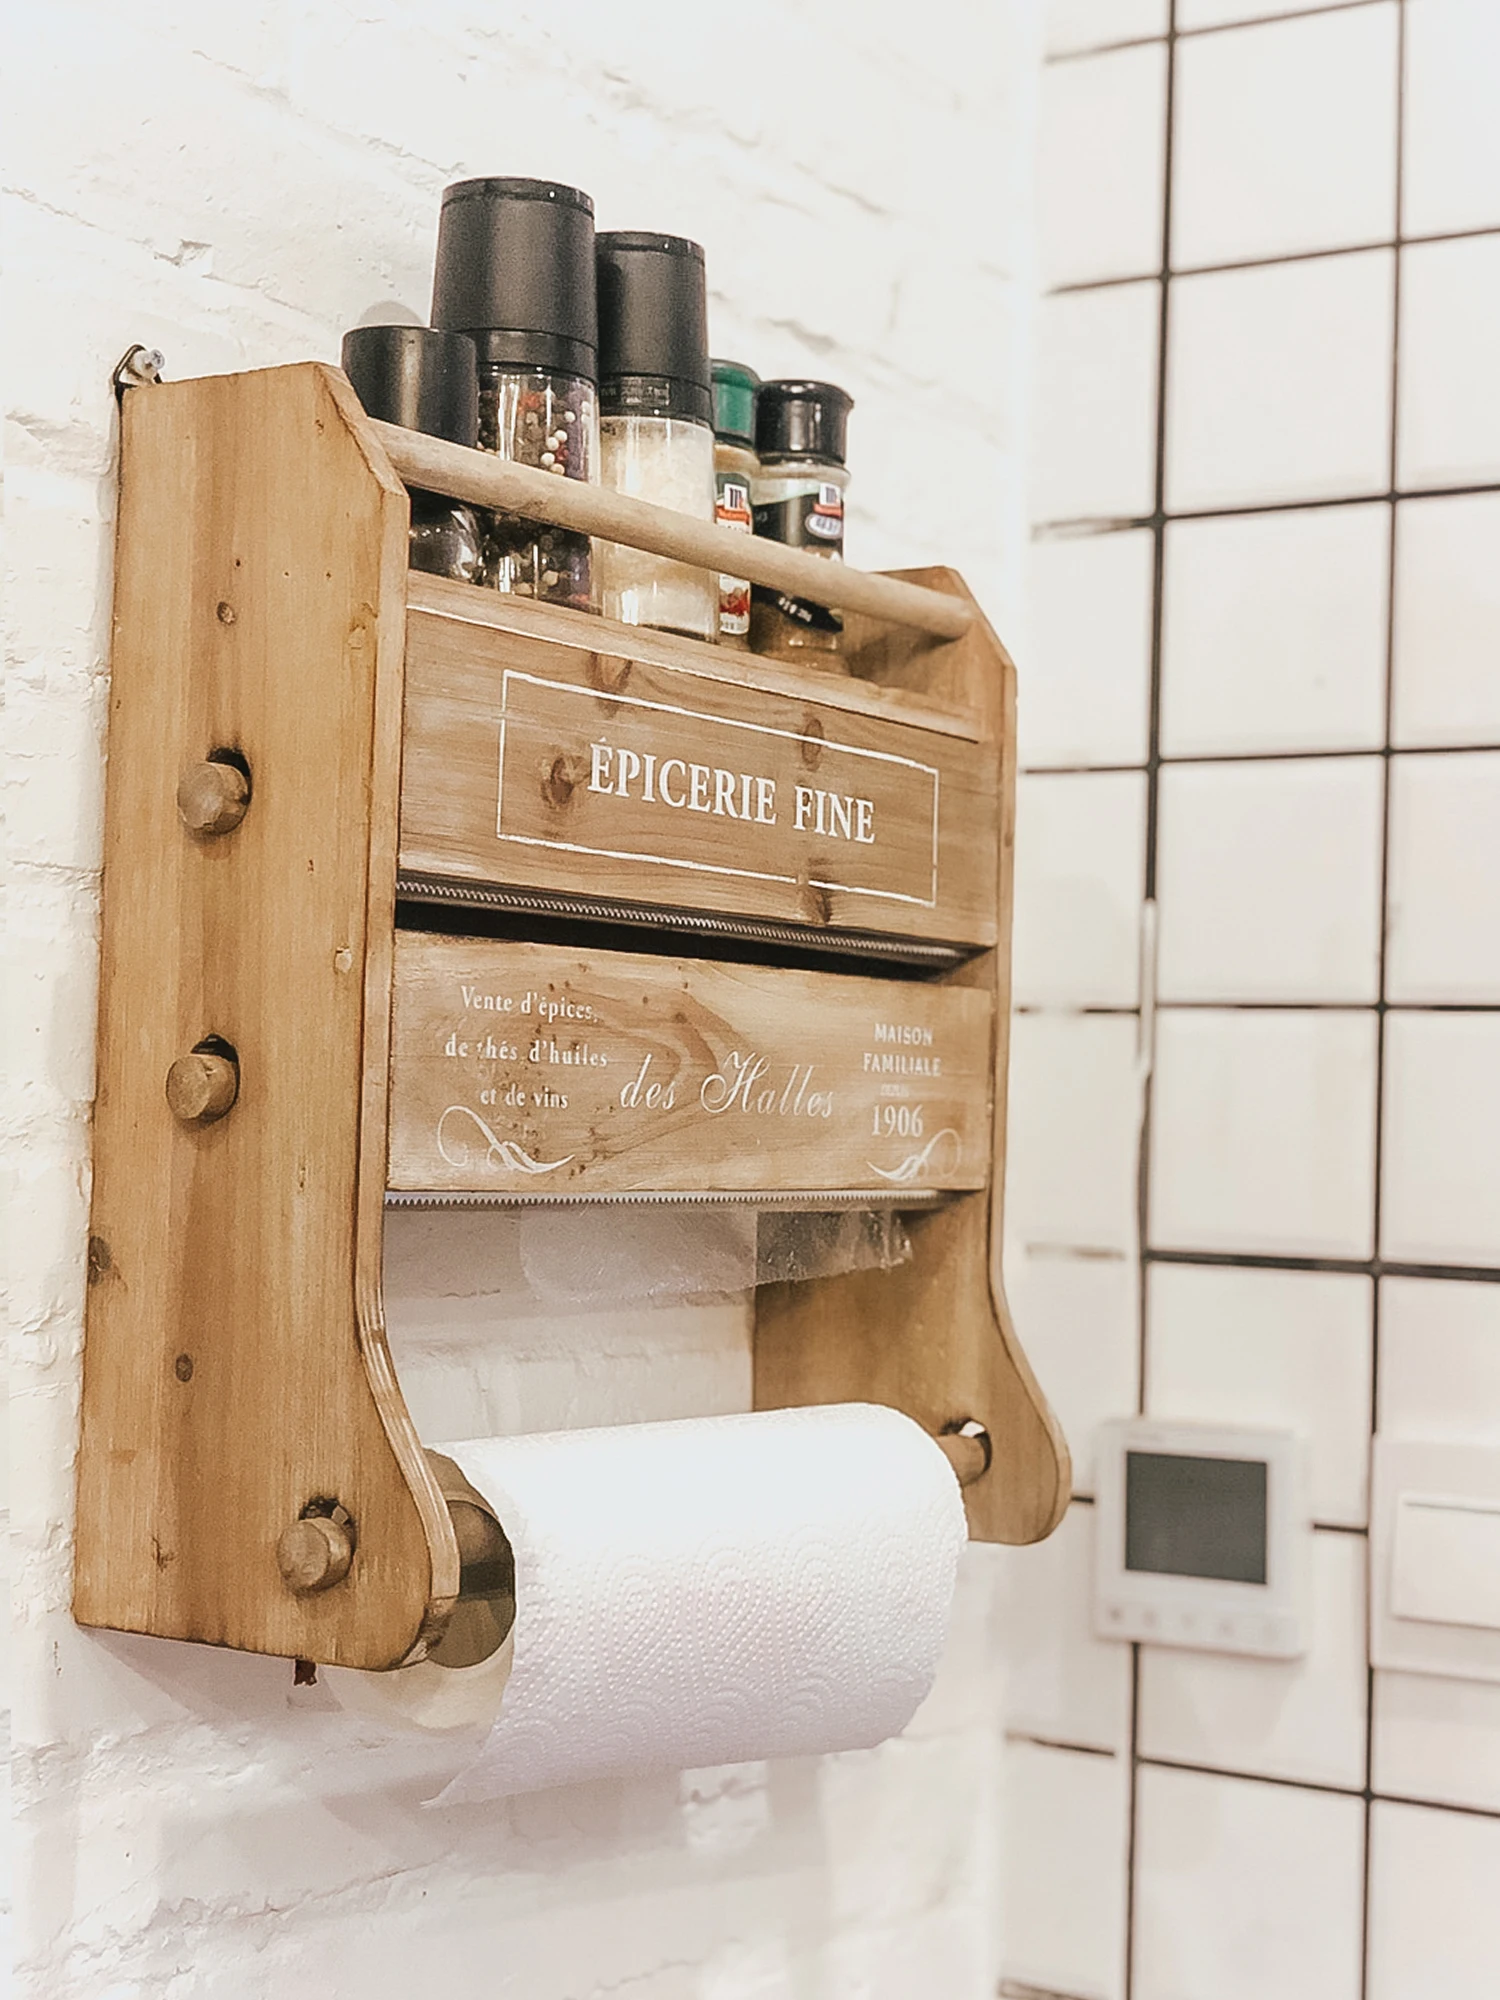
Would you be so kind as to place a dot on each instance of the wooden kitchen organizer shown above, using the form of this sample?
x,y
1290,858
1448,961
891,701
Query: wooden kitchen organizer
x,y
414,892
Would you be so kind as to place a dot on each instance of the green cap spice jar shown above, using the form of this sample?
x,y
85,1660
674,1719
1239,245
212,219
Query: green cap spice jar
x,y
735,469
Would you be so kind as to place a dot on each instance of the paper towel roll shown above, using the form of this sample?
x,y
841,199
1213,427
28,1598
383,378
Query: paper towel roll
x,y
703,1592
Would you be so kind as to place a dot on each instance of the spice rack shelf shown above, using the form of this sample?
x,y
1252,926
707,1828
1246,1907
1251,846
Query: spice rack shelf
x,y
415,893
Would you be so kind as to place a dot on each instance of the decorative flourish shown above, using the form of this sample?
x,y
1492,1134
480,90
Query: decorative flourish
x,y
498,1152
915,1165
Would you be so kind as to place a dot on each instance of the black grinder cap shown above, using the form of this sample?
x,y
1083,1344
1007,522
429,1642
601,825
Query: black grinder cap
x,y
802,420
653,327
515,269
417,377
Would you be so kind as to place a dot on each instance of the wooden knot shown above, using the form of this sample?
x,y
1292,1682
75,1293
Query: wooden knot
x,y
609,672
811,745
202,1086
212,798
315,1552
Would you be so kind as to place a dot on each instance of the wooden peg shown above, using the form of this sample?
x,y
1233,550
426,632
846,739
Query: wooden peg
x,y
201,1086
212,798
314,1553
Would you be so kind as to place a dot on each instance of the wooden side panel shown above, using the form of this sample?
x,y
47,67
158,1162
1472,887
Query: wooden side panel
x,y
235,1367
524,1068
935,1337
534,762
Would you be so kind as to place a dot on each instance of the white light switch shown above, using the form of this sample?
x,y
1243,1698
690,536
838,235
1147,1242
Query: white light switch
x,y
1435,1559
1446,1567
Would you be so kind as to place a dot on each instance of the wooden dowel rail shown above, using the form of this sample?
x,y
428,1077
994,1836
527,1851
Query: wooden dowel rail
x,y
478,476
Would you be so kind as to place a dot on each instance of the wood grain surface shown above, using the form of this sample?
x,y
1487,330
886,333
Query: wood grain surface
x,y
935,1337
235,1370
563,765
524,1068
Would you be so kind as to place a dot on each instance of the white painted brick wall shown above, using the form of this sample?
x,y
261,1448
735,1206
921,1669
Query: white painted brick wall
x,y
236,184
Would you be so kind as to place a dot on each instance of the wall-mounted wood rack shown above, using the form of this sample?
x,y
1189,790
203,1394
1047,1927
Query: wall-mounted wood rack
x,y
394,910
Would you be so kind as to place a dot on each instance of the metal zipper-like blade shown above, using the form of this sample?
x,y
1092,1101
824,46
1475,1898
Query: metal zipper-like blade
x,y
698,923
812,1201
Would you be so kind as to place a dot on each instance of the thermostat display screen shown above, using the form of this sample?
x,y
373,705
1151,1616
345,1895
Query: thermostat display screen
x,y
1187,1516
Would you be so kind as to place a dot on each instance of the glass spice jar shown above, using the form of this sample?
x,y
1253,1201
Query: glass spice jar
x,y
515,270
425,381
735,471
800,431
656,421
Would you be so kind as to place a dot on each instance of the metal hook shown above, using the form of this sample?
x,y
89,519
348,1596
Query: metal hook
x,y
137,367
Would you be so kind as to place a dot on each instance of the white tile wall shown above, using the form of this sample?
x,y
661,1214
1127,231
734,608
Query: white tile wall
x,y
1267,863
1437,1740
1263,1128
1447,625
1085,677
1099,168
1246,1891
1444,909
1079,1320
1061,1683
1284,1349
1451,177
1062,1896
1285,138
1448,415
1095,427
1434,1914
1279,383
1274,632
1268,880
1441,1164
1074,1124
1080,876
1088,24
1298,1719
1439,1360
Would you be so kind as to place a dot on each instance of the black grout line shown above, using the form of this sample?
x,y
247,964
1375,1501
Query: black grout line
x,y
1153,795
1378,1163
1230,265
1351,1267
1058,1743
1197,758
1366,1797
1434,1805
1085,527
1066,1011
1213,28
1252,1777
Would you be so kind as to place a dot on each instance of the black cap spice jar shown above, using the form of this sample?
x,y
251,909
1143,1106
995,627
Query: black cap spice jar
x,y
515,271
800,430
735,469
424,380
655,420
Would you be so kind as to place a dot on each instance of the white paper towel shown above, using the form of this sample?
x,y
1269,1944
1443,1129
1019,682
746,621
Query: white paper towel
x,y
703,1592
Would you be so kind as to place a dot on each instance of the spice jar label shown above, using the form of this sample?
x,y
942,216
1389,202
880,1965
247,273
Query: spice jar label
x,y
813,520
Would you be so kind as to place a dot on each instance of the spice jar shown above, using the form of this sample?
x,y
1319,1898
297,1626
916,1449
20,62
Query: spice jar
x,y
735,468
799,499
424,381
515,271
656,421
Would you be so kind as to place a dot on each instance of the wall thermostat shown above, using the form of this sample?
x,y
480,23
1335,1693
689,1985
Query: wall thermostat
x,y
1202,1537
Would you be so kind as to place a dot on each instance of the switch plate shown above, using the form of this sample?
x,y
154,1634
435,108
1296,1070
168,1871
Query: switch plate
x,y
1435,1559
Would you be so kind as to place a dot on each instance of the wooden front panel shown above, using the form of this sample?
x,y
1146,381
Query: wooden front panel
x,y
530,1069
660,780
